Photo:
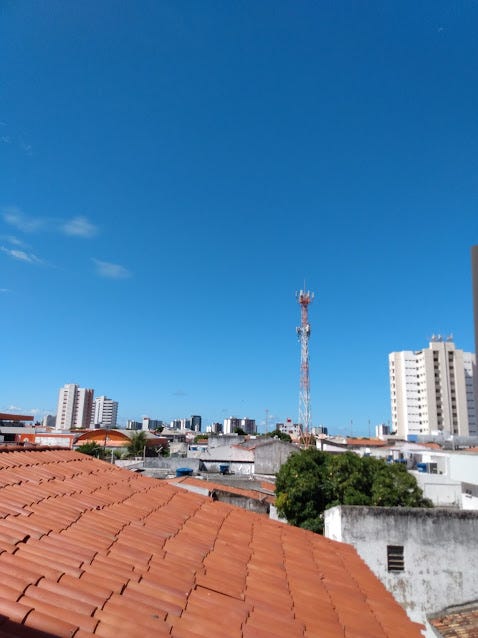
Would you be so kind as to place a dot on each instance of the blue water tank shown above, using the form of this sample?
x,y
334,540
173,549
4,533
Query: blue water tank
x,y
184,471
224,468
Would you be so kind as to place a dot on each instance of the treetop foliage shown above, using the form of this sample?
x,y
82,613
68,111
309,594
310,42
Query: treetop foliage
x,y
312,481
279,435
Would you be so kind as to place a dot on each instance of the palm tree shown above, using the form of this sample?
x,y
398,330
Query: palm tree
x,y
137,443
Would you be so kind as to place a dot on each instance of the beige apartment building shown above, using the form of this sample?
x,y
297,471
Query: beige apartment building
x,y
74,407
432,390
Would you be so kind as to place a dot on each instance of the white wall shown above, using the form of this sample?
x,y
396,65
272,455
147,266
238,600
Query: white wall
x,y
440,553
442,491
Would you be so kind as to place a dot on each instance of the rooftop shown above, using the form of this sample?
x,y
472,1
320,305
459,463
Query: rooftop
x,y
88,549
211,487
458,622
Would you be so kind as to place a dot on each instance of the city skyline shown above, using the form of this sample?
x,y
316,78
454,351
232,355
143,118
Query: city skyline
x,y
172,173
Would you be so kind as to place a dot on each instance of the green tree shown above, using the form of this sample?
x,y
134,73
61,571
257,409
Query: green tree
x,y
280,435
137,444
311,481
92,449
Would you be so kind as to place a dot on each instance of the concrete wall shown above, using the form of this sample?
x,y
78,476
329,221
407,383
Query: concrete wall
x,y
235,467
171,463
469,496
224,439
269,458
464,467
250,504
439,489
440,553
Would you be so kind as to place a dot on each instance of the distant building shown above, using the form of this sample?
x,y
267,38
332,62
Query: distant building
x,y
15,419
248,425
49,421
196,423
151,424
215,428
290,428
432,390
74,407
104,413
382,430
232,424
134,425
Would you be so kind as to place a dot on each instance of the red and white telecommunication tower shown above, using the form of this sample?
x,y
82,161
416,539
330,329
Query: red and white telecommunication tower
x,y
304,298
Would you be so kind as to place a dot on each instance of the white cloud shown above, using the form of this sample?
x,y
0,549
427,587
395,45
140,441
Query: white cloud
x,y
21,255
112,271
4,290
80,227
14,217
13,240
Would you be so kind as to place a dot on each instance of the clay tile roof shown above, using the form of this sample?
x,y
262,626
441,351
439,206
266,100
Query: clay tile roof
x,y
212,487
88,549
457,623
366,442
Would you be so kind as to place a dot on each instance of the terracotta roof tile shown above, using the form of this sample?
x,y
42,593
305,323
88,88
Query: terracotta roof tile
x,y
88,549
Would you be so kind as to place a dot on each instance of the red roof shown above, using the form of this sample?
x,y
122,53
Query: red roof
x,y
212,486
15,417
366,442
458,623
88,549
432,446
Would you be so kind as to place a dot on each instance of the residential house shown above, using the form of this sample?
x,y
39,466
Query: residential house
x,y
88,549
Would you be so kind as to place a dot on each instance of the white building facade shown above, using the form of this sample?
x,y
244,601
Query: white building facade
x,y
432,390
74,407
104,413
232,424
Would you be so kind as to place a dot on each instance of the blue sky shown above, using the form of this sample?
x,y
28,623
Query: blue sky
x,y
171,172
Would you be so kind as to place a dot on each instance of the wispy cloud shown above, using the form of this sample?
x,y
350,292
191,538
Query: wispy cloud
x,y
21,255
13,216
111,271
13,240
14,139
80,227
4,290
179,393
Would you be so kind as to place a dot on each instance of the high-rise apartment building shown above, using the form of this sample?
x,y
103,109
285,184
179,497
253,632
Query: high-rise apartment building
x,y
474,279
432,390
196,423
232,424
74,407
104,413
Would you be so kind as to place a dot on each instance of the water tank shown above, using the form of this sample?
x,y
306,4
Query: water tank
x,y
224,468
184,471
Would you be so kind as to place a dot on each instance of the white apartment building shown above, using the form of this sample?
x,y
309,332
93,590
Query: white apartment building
x,y
74,407
104,413
432,390
232,423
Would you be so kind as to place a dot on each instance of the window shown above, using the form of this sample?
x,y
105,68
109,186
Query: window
x,y
395,560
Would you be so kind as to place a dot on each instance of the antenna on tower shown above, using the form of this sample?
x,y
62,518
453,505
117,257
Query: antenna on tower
x,y
304,298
